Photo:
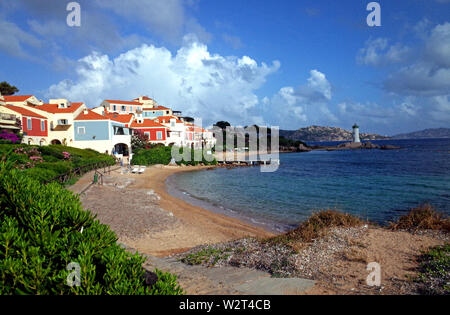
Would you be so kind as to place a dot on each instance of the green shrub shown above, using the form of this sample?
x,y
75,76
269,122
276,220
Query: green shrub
x,y
40,174
163,155
43,228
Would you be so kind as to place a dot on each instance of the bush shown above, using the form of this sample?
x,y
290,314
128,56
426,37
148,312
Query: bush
x,y
163,155
317,225
43,228
424,217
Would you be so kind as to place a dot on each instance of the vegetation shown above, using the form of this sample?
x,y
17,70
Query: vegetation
x,y
43,229
163,155
10,138
317,225
208,255
434,276
424,217
47,162
7,89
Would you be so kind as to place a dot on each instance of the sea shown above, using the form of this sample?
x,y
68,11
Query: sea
x,y
378,185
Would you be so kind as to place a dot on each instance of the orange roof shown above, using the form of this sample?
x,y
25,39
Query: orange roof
x,y
16,98
166,119
123,102
53,108
144,98
90,115
119,118
147,123
156,108
24,111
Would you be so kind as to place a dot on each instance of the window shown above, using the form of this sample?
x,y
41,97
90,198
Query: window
x,y
114,107
124,108
159,135
147,134
172,123
42,125
138,108
81,130
131,108
63,122
29,123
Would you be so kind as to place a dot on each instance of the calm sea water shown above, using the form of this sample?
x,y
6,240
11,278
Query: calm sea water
x,y
373,184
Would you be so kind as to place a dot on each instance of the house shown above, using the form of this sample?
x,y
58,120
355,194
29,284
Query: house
x,y
61,114
100,133
10,120
21,100
34,126
126,119
155,132
121,107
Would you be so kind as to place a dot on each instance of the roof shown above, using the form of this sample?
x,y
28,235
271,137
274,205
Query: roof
x,y
123,102
119,118
166,119
90,115
156,108
53,108
145,98
147,123
16,98
24,111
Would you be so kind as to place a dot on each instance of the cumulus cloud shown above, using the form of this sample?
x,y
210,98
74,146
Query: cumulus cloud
x,y
307,103
429,75
193,80
378,52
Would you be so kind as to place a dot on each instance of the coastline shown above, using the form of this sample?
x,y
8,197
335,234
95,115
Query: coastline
x,y
198,226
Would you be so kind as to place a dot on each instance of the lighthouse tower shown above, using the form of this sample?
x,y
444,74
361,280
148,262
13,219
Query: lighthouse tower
x,y
356,134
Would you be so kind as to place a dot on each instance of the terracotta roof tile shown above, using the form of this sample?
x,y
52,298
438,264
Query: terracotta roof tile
x,y
24,111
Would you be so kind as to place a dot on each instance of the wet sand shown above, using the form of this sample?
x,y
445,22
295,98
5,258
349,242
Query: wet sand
x,y
196,226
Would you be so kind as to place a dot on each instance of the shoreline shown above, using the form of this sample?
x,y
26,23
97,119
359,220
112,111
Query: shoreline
x,y
260,222
198,226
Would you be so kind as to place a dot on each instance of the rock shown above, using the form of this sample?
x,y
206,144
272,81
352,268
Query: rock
x,y
303,148
183,165
389,147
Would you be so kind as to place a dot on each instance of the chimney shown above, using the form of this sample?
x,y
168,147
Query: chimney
x,y
85,111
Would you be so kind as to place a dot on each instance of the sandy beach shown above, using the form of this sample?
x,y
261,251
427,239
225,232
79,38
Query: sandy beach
x,y
180,228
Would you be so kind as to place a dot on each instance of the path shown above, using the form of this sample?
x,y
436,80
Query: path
x,y
201,280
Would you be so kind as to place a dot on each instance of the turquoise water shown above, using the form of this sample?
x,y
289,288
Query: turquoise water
x,y
373,184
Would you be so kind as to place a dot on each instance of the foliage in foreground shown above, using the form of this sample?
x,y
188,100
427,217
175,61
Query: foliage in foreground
x,y
424,217
434,276
43,228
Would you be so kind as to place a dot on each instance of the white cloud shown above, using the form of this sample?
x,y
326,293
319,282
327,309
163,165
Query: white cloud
x,y
377,52
14,40
193,80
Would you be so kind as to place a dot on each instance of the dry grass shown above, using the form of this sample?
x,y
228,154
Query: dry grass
x,y
317,226
424,217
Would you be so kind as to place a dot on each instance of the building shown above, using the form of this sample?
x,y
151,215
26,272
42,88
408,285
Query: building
x,y
100,133
121,107
155,132
10,120
356,134
18,100
60,114
34,127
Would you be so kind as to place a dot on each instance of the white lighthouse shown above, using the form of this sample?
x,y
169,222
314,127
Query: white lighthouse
x,y
356,134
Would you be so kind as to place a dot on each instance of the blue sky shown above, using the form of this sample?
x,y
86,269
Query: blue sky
x,y
282,63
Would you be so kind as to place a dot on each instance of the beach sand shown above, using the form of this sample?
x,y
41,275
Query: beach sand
x,y
195,226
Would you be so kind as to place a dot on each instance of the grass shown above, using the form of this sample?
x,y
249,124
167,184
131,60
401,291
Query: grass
x,y
317,226
434,276
424,217
207,255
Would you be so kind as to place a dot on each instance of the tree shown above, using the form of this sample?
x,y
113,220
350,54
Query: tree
x,y
7,89
139,140
222,124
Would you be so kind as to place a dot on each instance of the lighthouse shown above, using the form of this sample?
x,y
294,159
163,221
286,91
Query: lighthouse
x,y
356,134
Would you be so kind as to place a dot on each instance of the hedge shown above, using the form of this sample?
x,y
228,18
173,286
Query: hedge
x,y
163,155
43,228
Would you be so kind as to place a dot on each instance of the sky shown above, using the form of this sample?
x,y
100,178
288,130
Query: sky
x,y
286,63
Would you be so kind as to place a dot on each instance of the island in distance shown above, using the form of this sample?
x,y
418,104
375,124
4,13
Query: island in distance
x,y
329,134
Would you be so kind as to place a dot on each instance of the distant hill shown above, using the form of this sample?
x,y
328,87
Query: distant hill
x,y
321,134
425,134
